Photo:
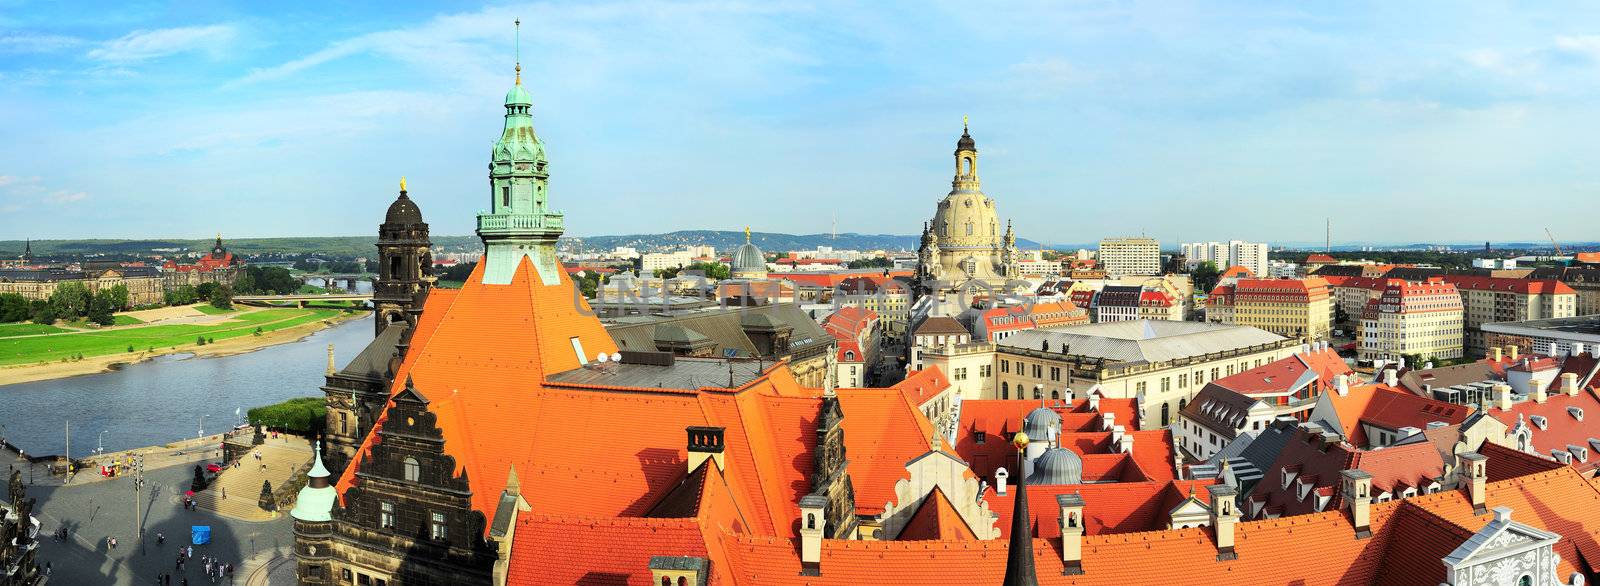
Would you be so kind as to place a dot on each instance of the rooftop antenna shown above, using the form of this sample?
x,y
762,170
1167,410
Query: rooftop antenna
x,y
518,24
1327,243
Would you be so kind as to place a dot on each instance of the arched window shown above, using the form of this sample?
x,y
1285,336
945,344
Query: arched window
x,y
1525,580
1055,395
811,520
394,269
413,471
1005,390
666,581
969,228
1165,418
966,165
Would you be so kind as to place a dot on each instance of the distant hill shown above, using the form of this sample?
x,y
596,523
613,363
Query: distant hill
x,y
725,240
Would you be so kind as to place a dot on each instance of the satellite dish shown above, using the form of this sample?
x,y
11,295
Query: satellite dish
x,y
616,357
601,357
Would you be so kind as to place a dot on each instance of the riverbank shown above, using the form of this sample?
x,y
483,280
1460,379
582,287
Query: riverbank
x,y
22,373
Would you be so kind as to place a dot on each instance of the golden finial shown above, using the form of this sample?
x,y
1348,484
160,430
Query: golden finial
x,y
1020,440
402,183
746,234
963,121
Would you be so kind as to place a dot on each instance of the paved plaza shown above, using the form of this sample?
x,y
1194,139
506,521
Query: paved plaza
x,y
95,511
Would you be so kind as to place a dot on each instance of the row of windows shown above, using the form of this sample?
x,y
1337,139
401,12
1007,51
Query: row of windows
x,y
437,526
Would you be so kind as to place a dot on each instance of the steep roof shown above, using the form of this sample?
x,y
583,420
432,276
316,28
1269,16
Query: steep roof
x,y
1288,374
937,519
1390,408
1564,429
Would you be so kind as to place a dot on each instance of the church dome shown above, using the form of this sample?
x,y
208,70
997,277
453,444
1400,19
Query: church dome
x,y
749,259
1042,424
965,143
403,211
1057,466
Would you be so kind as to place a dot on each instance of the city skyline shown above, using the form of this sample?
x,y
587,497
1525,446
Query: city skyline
x,y
291,124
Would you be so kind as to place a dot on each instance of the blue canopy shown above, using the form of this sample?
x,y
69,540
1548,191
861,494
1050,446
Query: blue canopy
x,y
200,534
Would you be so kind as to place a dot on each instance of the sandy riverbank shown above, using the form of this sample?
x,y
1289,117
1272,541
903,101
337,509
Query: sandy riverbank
x,y
23,373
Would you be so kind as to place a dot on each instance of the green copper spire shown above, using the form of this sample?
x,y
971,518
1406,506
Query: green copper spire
x,y
519,223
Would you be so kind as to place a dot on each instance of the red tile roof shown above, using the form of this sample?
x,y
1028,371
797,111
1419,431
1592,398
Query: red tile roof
x,y
1281,376
1524,286
1390,408
1562,426
936,519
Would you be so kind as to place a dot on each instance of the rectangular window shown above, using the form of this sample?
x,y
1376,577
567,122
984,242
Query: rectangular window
x,y
1055,373
505,195
440,531
1005,366
1038,371
386,515
984,371
1139,387
577,346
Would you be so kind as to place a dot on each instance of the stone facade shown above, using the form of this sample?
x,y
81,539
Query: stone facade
x,y
963,243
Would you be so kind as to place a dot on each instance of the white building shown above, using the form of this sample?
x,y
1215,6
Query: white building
x,y
1281,269
1250,255
656,261
1130,256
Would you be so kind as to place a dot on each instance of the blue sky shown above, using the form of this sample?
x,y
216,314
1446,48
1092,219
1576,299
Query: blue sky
x,y
1405,121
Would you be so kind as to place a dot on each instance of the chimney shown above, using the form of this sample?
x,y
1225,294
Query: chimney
x,y
1391,377
1577,349
1401,362
1536,390
1569,384
1117,433
1341,385
1000,477
1428,366
1071,533
705,443
1502,396
670,569
812,523
1108,421
1224,515
331,370
1475,470
1357,494
1496,354
1094,402
1512,350
1125,445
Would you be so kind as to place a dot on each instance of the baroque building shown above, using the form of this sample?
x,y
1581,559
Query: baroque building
x,y
405,271
963,243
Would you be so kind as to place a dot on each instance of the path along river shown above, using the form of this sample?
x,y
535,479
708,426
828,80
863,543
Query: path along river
x,y
164,399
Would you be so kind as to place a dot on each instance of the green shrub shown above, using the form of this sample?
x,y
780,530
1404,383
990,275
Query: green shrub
x,y
200,341
301,415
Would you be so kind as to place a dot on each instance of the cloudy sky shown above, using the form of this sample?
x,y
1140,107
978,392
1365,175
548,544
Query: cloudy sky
x,y
1404,121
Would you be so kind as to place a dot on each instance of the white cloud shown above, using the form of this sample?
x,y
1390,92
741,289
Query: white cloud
x,y
144,45
61,197
1587,46
36,43
7,180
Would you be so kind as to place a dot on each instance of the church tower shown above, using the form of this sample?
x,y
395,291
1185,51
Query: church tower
x,y
519,222
405,264
963,243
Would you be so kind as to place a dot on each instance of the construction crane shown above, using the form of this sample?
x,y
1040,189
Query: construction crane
x,y
1553,242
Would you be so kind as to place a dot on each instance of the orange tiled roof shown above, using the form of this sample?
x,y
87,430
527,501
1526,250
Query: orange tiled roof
x,y
937,519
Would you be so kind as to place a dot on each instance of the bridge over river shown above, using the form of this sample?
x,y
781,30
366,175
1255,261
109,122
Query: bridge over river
x,y
300,299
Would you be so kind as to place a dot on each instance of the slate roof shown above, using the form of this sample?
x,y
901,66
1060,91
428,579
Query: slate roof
x,y
1137,341
723,327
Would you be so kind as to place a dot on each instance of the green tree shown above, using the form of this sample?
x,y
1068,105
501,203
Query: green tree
x,y
205,290
1205,276
183,295
303,415
118,296
102,308
70,299
14,307
876,262
45,315
222,297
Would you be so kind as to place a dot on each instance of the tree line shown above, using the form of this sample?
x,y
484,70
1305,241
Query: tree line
x,y
71,300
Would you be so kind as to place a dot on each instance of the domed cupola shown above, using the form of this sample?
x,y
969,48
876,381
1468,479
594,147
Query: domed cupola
x,y
965,143
1057,466
1043,425
403,210
748,260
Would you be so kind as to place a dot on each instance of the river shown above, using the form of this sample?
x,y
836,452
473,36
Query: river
x,y
163,399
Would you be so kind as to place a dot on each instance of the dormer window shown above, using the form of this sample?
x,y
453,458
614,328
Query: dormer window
x,y
413,470
1540,422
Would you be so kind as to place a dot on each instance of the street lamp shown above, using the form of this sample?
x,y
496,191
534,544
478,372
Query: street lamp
x,y
202,426
100,444
136,468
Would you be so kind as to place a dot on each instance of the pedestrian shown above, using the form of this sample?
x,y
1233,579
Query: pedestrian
x,y
47,568
112,541
224,494
160,538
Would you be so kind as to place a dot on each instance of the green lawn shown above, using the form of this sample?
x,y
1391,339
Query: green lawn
x,y
125,320
210,309
54,348
24,329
